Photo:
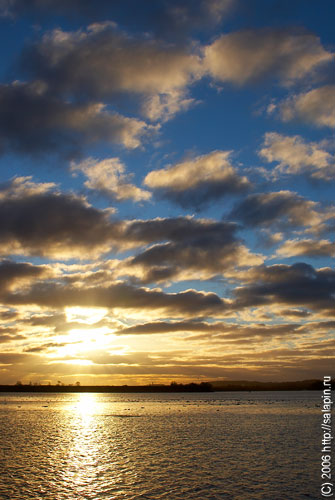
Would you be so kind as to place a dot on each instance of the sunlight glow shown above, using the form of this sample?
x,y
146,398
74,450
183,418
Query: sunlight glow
x,y
80,362
86,315
81,341
86,404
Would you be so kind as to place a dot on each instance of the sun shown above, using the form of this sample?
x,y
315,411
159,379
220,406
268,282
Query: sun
x,y
89,336
85,340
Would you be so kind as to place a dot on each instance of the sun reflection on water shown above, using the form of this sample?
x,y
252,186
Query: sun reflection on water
x,y
87,405
83,465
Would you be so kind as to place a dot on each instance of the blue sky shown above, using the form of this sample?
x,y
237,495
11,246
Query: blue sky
x,y
167,179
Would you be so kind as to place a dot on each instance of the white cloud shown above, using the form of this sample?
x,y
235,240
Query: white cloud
x,y
316,106
306,248
164,106
18,187
102,62
249,55
109,177
295,156
41,121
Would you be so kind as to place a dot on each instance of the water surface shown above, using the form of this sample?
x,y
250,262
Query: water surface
x,y
207,446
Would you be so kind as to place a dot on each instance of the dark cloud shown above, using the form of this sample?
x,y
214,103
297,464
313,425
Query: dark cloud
x,y
220,331
52,7
33,120
204,194
296,285
18,273
197,248
203,232
197,182
52,224
279,208
187,261
120,295
159,327
252,333
38,220
172,19
101,61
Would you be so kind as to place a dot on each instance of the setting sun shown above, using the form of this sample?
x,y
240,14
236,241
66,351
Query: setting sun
x,y
80,341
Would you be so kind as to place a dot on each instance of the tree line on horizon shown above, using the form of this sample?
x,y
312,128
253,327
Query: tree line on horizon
x,y
228,385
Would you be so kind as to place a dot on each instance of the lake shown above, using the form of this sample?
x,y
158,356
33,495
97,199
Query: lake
x,y
204,446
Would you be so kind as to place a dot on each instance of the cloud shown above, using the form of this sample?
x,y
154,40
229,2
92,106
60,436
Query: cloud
x,y
8,335
163,107
184,248
178,15
219,330
102,63
307,248
37,219
295,156
250,55
171,21
199,232
198,181
17,187
198,258
32,120
282,208
19,7
295,285
311,107
62,226
17,274
159,327
183,16
109,178
120,296
9,358
51,224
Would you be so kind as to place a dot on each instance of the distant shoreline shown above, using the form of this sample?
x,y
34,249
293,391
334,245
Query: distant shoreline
x,y
226,386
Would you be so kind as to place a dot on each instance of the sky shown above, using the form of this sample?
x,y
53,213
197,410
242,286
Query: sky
x,y
167,191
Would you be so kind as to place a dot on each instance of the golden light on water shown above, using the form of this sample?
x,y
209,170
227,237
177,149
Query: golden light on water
x,y
87,404
82,460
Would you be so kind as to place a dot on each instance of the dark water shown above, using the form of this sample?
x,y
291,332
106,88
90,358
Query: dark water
x,y
209,446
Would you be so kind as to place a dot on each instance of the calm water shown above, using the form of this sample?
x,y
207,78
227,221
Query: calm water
x,y
160,446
